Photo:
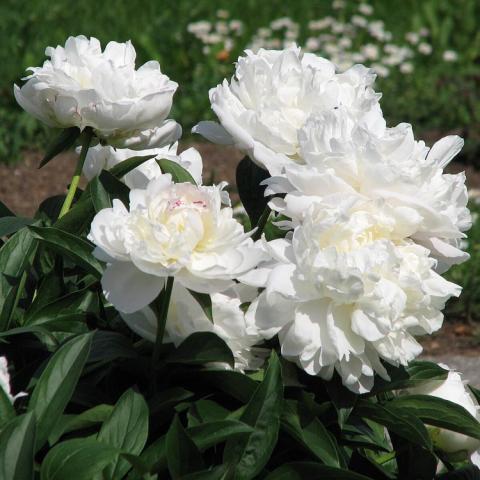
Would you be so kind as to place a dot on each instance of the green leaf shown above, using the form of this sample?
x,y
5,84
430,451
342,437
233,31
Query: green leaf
x,y
311,434
86,419
9,225
17,440
126,429
77,249
215,473
64,141
401,421
69,308
183,456
114,187
235,384
250,454
79,459
178,173
212,433
312,471
5,211
99,195
205,301
108,346
122,168
200,348
439,413
168,398
56,384
248,177
413,375
7,412
79,218
15,256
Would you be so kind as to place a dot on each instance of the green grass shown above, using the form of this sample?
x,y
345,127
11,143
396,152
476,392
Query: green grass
x,y
438,96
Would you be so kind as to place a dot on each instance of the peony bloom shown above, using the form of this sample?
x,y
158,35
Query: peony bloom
x,y
81,86
344,292
271,96
177,230
185,316
364,160
454,389
5,381
105,157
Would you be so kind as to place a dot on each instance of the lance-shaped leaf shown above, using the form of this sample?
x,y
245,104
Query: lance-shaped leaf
x,y
127,430
56,384
79,459
121,169
17,441
63,142
248,455
178,173
312,471
76,248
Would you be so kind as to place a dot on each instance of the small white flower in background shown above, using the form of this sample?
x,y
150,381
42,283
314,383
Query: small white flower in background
x,y
370,51
424,32
338,4
271,96
312,44
236,26
454,389
425,48
223,13
345,292
406,67
186,316
81,86
365,9
359,21
412,37
200,28
5,381
345,42
222,28
381,70
320,24
177,230
450,56
105,157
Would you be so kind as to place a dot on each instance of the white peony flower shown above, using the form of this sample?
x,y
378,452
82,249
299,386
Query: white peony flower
x,y
365,160
81,86
272,95
105,157
5,381
177,230
186,316
454,389
345,292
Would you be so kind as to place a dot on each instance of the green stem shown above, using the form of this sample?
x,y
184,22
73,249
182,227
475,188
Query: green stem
x,y
87,139
262,221
164,300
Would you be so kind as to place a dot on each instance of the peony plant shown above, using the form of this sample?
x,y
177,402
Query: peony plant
x,y
156,333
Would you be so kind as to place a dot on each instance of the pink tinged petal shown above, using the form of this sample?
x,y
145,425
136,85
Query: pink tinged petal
x,y
445,150
213,132
129,289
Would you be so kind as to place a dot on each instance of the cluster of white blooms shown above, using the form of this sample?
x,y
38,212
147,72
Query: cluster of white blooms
x,y
358,39
81,86
220,34
369,216
372,216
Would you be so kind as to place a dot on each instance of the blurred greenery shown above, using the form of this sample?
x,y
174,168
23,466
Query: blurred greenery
x,y
438,97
